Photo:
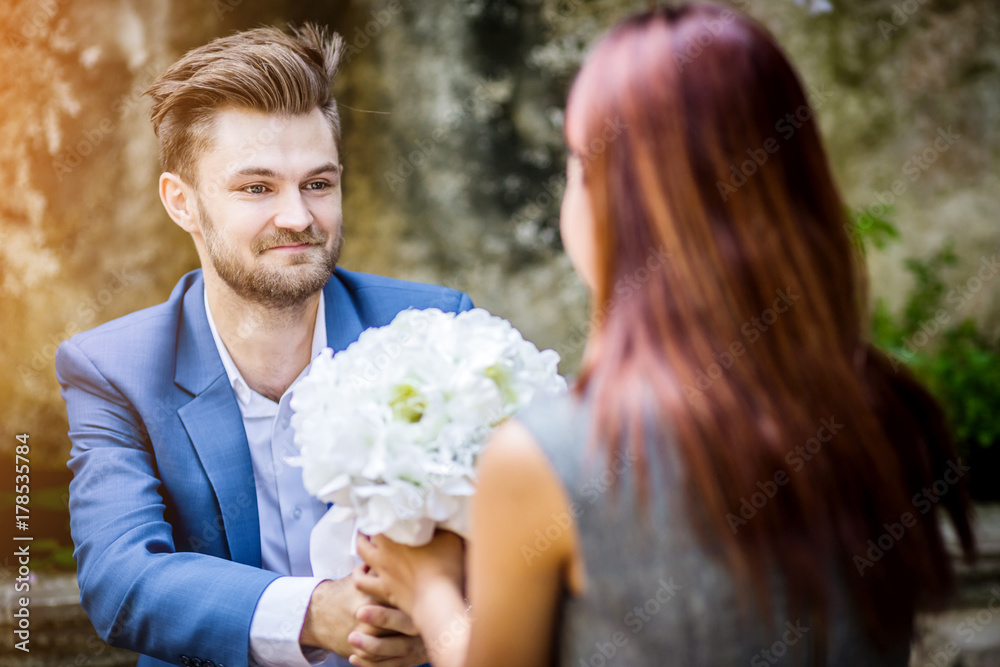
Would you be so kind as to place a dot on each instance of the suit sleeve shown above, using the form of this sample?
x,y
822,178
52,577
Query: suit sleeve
x,y
139,592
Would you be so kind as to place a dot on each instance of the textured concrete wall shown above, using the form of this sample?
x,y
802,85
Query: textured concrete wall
x,y
453,152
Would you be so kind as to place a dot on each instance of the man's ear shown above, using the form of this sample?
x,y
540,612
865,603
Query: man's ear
x,y
178,198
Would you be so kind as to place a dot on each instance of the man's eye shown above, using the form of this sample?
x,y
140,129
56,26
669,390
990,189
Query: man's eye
x,y
255,189
317,185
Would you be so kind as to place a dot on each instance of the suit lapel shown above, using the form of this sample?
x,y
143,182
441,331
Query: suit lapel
x,y
343,326
214,424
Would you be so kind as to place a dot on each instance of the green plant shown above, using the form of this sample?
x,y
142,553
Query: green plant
x,y
965,375
868,229
957,362
47,555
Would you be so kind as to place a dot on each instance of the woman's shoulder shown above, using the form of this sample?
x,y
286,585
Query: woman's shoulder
x,y
559,426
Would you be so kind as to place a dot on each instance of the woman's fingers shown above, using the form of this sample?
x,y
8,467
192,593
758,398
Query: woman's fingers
x,y
370,584
385,651
386,618
366,550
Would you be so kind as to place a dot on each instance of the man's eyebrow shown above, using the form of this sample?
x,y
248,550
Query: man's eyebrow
x,y
264,172
323,168
256,171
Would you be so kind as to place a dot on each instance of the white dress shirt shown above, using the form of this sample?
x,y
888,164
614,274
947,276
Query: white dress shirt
x,y
287,515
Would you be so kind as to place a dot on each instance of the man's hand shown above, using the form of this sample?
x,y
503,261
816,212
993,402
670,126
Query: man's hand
x,y
356,626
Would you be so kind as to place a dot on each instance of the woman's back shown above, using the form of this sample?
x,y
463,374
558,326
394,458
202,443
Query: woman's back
x,y
654,595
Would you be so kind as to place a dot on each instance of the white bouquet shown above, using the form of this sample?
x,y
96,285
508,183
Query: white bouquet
x,y
389,429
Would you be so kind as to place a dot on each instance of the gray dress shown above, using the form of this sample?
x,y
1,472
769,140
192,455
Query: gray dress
x,y
654,595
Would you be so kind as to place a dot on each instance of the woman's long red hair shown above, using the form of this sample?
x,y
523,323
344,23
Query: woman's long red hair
x,y
718,162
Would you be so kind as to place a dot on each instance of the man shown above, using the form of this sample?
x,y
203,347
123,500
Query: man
x,y
191,531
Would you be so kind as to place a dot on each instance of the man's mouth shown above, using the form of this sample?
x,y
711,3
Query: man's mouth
x,y
289,243
291,246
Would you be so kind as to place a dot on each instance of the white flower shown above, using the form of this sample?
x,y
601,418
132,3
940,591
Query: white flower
x,y
389,429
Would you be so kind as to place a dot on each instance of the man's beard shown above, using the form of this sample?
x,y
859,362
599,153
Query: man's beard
x,y
275,287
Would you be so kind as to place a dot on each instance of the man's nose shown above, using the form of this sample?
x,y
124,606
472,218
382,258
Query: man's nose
x,y
293,213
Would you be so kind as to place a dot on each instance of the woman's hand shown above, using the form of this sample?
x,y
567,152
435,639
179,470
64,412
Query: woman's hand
x,y
407,576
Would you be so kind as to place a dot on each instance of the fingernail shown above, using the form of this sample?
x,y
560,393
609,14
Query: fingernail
x,y
354,639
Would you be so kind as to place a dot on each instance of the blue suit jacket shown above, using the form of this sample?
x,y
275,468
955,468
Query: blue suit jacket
x,y
163,510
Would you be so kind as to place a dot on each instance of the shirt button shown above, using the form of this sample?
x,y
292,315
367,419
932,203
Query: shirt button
x,y
296,513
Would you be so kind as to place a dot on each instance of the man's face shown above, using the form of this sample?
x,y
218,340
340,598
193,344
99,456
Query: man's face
x,y
269,204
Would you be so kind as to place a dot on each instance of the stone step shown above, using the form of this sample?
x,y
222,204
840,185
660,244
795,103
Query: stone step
x,y
61,634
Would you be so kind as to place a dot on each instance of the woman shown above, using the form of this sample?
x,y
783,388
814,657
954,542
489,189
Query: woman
x,y
733,480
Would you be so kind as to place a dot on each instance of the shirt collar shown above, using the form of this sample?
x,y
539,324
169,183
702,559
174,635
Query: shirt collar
x,y
239,385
